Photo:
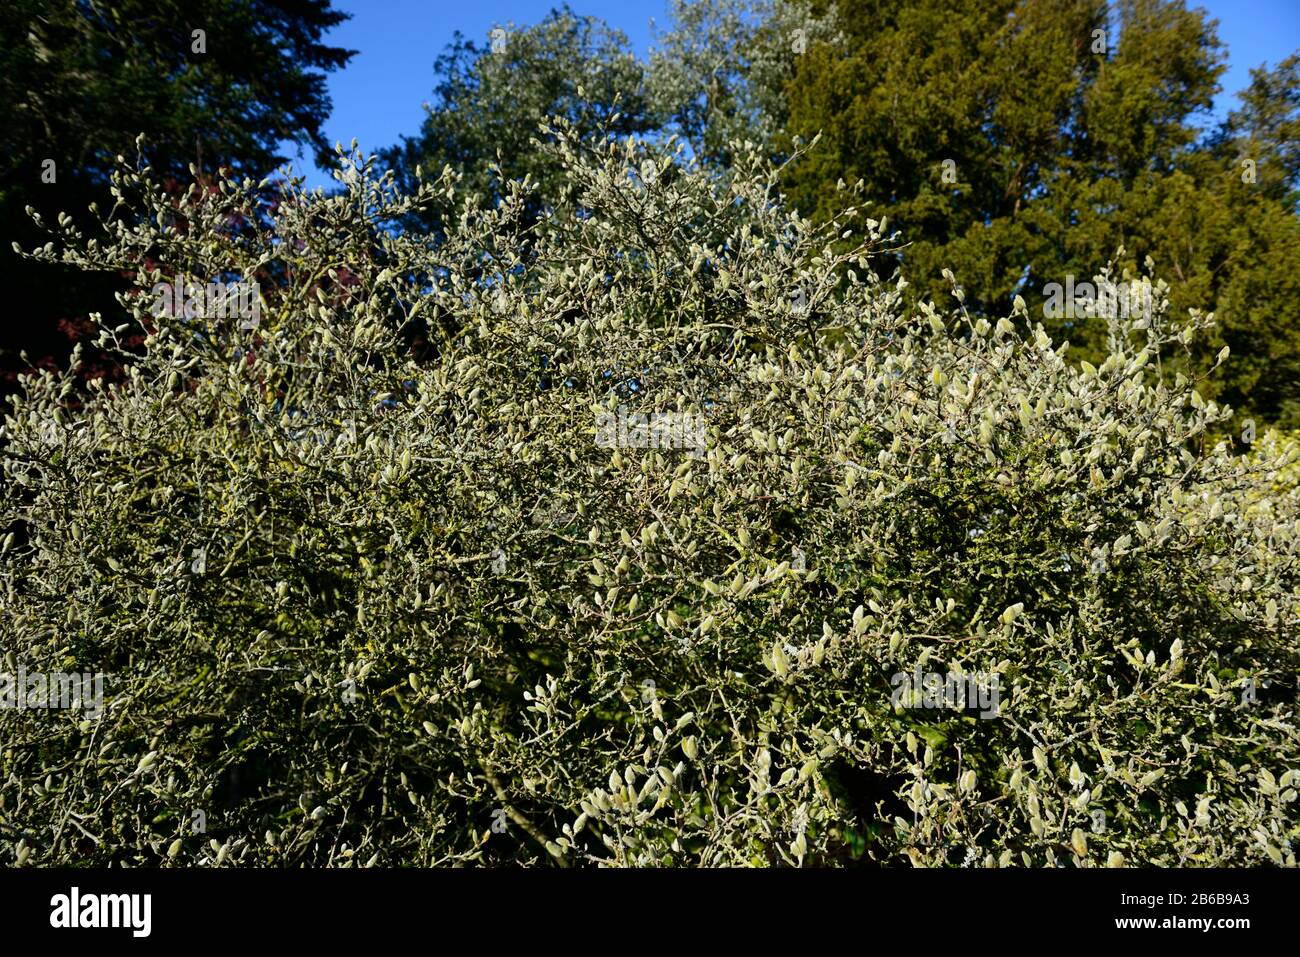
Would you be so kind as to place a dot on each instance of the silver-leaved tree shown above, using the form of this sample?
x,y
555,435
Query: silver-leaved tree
x,y
656,531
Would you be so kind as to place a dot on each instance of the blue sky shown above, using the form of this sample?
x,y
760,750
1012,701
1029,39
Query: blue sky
x,y
378,97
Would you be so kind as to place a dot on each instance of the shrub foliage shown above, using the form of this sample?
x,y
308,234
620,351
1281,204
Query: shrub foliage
x,y
367,589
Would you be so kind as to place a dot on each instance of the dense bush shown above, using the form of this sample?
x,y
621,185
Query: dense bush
x,y
368,589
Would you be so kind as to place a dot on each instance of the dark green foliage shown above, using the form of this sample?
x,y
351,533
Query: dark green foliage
x,y
81,80
1067,133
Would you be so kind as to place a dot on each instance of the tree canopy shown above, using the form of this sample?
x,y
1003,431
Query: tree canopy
x,y
82,80
1029,140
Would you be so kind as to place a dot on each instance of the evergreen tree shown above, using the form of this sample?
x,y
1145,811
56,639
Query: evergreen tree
x,y
1027,142
208,82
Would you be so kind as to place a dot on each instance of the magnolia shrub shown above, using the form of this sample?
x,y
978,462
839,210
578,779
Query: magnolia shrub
x,y
367,589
